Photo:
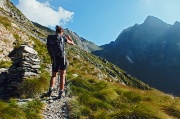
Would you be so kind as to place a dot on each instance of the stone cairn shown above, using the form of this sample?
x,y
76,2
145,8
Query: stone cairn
x,y
26,64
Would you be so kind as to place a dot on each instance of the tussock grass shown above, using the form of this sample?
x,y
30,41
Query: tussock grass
x,y
19,41
33,109
5,21
101,99
5,64
100,114
11,110
33,86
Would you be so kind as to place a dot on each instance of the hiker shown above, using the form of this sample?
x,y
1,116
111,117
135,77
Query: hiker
x,y
59,62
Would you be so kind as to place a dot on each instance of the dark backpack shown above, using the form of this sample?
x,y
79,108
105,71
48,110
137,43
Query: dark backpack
x,y
55,46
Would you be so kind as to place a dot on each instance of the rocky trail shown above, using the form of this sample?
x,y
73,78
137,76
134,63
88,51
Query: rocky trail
x,y
57,108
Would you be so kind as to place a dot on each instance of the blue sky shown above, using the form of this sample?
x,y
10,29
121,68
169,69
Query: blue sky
x,y
99,21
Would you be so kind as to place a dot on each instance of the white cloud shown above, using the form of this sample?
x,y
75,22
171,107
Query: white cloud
x,y
43,13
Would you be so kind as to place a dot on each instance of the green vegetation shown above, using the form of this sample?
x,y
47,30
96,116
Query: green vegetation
x,y
5,64
101,99
42,52
30,110
19,41
34,86
5,21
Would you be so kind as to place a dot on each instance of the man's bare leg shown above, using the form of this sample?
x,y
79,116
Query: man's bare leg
x,y
62,79
52,81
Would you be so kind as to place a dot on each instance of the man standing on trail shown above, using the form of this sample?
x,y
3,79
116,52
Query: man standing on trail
x,y
59,60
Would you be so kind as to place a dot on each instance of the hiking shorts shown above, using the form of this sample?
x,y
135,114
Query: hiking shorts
x,y
59,63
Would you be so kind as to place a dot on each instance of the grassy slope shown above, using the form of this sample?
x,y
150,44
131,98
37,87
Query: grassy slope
x,y
11,110
94,98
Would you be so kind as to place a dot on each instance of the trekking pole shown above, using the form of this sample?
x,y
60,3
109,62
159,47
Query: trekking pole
x,y
58,85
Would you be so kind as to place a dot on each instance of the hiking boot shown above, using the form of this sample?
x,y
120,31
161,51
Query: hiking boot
x,y
49,92
60,94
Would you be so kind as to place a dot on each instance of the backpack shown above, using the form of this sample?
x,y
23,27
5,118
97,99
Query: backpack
x,y
55,46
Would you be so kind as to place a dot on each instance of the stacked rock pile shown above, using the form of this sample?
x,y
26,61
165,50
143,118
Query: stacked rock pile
x,y
26,64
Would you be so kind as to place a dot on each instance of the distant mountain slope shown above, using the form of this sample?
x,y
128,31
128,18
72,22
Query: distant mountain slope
x,y
82,42
150,52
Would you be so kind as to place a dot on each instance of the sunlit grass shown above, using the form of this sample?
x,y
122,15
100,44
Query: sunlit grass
x,y
11,110
33,109
96,96
5,64
34,86
5,21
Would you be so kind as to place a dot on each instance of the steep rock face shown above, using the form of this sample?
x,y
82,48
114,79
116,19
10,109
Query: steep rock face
x,y
150,52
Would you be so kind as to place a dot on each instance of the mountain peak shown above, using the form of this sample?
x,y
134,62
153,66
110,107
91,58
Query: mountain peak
x,y
177,23
152,19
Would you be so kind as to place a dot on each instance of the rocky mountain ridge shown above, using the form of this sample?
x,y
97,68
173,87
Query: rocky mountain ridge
x,y
148,51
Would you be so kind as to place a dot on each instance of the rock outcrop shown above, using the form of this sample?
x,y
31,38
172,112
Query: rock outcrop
x,y
6,43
